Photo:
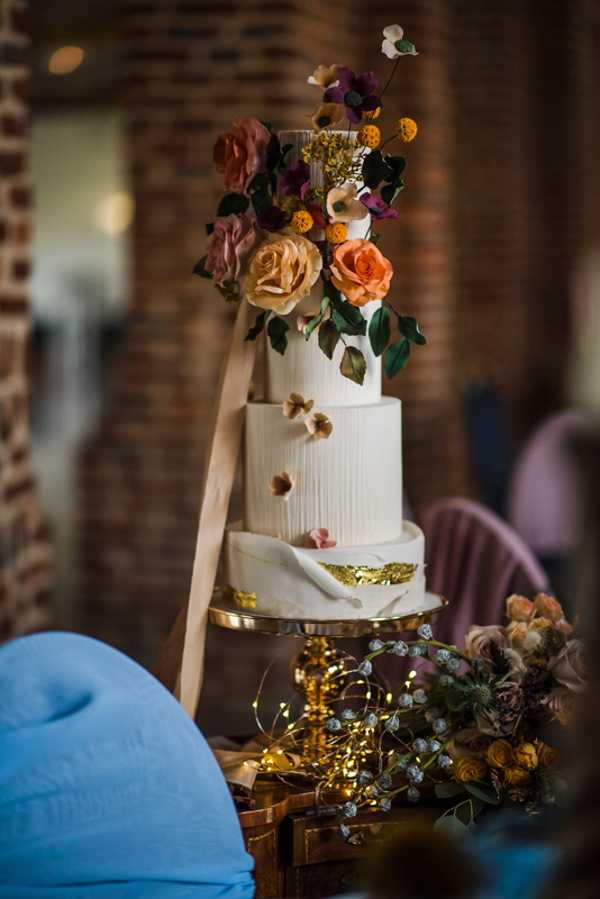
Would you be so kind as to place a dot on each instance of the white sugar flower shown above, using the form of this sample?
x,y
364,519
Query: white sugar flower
x,y
394,44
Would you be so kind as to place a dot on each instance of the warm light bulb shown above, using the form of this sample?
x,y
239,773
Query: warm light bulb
x,y
65,60
114,213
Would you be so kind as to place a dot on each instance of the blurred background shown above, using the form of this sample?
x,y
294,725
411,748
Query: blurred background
x,y
108,114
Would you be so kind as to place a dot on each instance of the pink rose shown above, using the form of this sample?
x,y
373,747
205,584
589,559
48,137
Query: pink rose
x,y
321,539
232,240
568,669
519,608
479,640
240,153
560,703
548,607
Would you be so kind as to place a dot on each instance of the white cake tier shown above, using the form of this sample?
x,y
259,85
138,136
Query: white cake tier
x,y
349,483
305,369
290,582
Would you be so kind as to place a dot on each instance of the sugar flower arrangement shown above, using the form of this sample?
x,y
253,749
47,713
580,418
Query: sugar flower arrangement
x,y
481,727
277,233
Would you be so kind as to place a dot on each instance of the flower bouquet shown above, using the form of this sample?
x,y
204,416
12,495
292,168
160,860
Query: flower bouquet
x,y
284,223
474,728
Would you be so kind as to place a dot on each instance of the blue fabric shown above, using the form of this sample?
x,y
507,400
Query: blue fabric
x,y
517,872
107,788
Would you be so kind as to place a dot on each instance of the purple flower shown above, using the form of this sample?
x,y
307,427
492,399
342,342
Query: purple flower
x,y
378,208
295,181
272,218
355,92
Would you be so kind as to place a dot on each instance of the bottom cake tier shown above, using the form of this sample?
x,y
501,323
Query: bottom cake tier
x,y
380,581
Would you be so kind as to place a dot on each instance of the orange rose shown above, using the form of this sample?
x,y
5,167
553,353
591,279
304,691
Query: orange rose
x,y
548,606
241,152
519,608
361,272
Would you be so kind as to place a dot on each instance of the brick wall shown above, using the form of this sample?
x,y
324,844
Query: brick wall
x,y
483,253
25,565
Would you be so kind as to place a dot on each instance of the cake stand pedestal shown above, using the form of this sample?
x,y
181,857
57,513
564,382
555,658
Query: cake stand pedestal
x,y
319,670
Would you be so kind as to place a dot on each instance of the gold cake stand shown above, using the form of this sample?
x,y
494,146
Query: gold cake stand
x,y
319,670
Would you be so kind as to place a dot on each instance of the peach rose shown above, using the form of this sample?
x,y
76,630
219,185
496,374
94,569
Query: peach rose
x,y
282,271
361,272
230,243
568,669
478,640
240,153
548,607
519,608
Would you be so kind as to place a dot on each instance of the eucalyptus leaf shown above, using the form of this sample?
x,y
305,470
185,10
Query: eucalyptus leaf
x,y
277,330
232,204
317,319
409,327
375,170
483,792
347,318
328,338
448,790
379,330
258,326
353,365
396,356
200,268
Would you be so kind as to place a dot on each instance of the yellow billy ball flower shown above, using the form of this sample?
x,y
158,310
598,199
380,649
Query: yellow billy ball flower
x,y
337,232
302,221
369,136
372,113
406,129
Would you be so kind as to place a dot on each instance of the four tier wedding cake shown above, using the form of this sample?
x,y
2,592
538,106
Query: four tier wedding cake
x,y
323,535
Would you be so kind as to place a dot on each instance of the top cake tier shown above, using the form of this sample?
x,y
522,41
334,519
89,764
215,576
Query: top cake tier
x,y
304,368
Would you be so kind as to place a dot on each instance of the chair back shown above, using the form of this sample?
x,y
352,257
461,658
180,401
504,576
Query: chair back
x,y
476,561
542,499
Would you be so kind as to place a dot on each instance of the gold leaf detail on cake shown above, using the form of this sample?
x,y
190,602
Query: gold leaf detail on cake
x,y
363,575
244,600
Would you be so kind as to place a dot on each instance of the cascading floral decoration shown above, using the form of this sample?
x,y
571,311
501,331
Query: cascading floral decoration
x,y
482,727
275,233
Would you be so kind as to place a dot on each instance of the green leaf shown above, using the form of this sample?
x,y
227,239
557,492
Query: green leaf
x,y
389,192
200,268
277,329
353,365
409,327
451,825
396,356
379,330
328,338
314,322
347,318
397,165
483,792
406,47
232,204
375,170
258,326
448,790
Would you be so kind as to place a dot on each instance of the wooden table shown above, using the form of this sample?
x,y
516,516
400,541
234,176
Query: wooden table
x,y
298,849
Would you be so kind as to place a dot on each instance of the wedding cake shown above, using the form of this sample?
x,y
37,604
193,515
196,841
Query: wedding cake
x,y
323,535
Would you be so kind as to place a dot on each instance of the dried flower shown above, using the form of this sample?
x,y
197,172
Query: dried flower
x,y
393,44
325,115
517,777
282,485
319,426
526,756
342,205
470,768
568,668
548,606
338,159
321,539
324,76
296,405
481,641
519,608
560,703
523,637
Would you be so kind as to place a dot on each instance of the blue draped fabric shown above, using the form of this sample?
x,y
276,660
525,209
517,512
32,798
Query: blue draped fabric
x,y
107,788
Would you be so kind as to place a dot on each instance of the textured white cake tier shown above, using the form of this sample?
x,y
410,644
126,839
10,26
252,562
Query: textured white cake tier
x,y
304,368
350,483
289,582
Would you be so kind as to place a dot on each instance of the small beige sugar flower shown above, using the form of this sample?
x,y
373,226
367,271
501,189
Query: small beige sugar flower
x,y
296,405
319,426
282,485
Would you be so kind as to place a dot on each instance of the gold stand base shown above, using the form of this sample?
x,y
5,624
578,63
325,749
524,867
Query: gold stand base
x,y
319,674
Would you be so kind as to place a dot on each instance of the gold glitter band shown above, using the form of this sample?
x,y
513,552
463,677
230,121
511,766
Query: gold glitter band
x,y
363,575
244,600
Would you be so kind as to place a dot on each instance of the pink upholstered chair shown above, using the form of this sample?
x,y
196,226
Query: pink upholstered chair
x,y
542,499
476,561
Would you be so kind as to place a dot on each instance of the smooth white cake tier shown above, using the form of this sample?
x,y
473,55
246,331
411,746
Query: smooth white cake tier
x,y
305,369
291,582
349,483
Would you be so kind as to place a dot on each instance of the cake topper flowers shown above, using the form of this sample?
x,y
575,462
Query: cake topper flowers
x,y
300,229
